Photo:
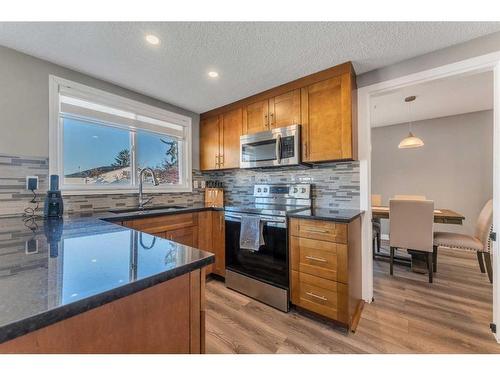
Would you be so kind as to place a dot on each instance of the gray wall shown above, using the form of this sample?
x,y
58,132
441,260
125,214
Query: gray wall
x,y
24,103
472,48
454,168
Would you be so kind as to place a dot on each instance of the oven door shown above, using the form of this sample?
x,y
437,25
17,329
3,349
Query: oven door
x,y
270,263
271,148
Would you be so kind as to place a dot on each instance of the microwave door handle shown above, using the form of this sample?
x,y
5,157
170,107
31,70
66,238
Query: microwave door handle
x,y
278,148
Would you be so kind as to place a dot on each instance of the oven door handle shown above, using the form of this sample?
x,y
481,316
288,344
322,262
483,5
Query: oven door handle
x,y
265,220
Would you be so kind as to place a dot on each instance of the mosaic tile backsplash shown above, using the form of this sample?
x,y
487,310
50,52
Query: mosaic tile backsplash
x,y
334,185
14,197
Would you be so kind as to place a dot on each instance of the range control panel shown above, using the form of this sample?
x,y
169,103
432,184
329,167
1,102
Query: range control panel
x,y
297,191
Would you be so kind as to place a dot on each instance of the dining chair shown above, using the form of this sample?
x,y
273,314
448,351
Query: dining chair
x,y
411,228
376,226
410,197
479,242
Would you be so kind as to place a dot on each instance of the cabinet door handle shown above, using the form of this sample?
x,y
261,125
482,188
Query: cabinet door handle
x,y
266,122
221,223
272,118
305,149
216,160
323,298
310,257
315,230
221,157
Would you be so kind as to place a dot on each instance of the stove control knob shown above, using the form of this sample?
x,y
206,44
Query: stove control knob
x,y
259,190
303,190
295,190
265,190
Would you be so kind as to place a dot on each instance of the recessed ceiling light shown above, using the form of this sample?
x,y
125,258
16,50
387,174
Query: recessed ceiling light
x,y
152,39
213,74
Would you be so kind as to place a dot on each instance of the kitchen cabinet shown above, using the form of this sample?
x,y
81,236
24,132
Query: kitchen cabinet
x,y
204,230
220,141
284,109
256,117
327,119
209,143
218,242
325,269
281,110
323,103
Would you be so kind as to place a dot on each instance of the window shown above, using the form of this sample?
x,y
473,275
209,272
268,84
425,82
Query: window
x,y
100,142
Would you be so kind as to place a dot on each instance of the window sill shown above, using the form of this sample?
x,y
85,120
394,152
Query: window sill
x,y
69,192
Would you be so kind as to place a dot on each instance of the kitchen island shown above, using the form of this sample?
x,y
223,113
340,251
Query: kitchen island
x,y
85,285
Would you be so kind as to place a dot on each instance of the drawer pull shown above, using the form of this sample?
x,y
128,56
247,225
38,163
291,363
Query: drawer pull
x,y
316,296
314,230
315,259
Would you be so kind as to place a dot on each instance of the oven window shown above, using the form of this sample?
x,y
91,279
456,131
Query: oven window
x,y
259,151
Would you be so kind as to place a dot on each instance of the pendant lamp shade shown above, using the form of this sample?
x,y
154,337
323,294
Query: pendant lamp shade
x,y
410,141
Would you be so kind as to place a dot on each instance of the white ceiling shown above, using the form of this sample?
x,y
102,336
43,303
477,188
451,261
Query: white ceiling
x,y
249,56
439,98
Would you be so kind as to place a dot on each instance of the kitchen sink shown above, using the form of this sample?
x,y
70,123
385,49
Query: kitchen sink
x,y
144,209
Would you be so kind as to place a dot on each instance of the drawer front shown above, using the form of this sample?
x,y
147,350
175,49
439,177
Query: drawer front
x,y
319,230
164,223
321,296
319,258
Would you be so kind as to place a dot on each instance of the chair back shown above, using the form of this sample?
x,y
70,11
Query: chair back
x,y
483,224
376,200
410,197
411,224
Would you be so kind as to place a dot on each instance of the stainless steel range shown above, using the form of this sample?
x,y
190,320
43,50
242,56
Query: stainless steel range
x,y
263,274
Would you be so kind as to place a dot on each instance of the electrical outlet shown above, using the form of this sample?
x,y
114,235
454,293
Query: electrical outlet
x,y
203,184
31,246
31,182
195,184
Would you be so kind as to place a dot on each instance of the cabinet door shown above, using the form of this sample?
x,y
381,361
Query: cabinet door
x,y
219,242
186,236
284,109
255,117
205,234
231,126
327,120
209,143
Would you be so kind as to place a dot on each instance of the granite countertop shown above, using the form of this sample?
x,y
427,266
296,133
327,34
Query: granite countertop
x,y
330,214
51,270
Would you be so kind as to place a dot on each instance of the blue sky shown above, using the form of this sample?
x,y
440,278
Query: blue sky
x,y
88,146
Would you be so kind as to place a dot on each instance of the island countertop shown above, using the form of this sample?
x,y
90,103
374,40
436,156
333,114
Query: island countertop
x,y
328,214
51,270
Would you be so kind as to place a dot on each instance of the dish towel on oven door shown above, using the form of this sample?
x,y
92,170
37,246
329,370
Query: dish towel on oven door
x,y
251,236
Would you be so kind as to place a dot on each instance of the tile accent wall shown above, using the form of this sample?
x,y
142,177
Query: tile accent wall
x,y
334,185
14,197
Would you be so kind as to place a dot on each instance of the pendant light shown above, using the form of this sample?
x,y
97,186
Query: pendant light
x,y
410,141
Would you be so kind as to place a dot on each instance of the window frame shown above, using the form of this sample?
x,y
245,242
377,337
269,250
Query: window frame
x,y
102,97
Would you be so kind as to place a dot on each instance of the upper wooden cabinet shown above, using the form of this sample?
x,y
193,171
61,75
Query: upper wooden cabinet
x,y
209,143
276,112
256,117
284,109
324,103
326,118
220,141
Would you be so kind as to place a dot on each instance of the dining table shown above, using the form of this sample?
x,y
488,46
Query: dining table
x,y
415,260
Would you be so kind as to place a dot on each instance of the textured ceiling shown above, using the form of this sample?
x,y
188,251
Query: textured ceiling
x,y
250,57
439,98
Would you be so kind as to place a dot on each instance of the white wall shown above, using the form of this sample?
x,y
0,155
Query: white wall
x,y
454,168
24,103
462,51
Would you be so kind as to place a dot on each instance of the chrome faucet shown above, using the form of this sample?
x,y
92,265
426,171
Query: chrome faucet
x,y
143,202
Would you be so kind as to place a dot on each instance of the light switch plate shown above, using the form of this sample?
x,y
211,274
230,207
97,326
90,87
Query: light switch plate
x,y
195,184
203,184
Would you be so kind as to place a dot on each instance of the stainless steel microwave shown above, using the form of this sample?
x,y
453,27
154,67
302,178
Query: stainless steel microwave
x,y
271,148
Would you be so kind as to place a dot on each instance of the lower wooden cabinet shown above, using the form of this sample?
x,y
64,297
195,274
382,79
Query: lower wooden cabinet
x,y
204,230
325,268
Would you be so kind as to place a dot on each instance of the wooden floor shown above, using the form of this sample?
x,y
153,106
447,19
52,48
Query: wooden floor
x,y
452,315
